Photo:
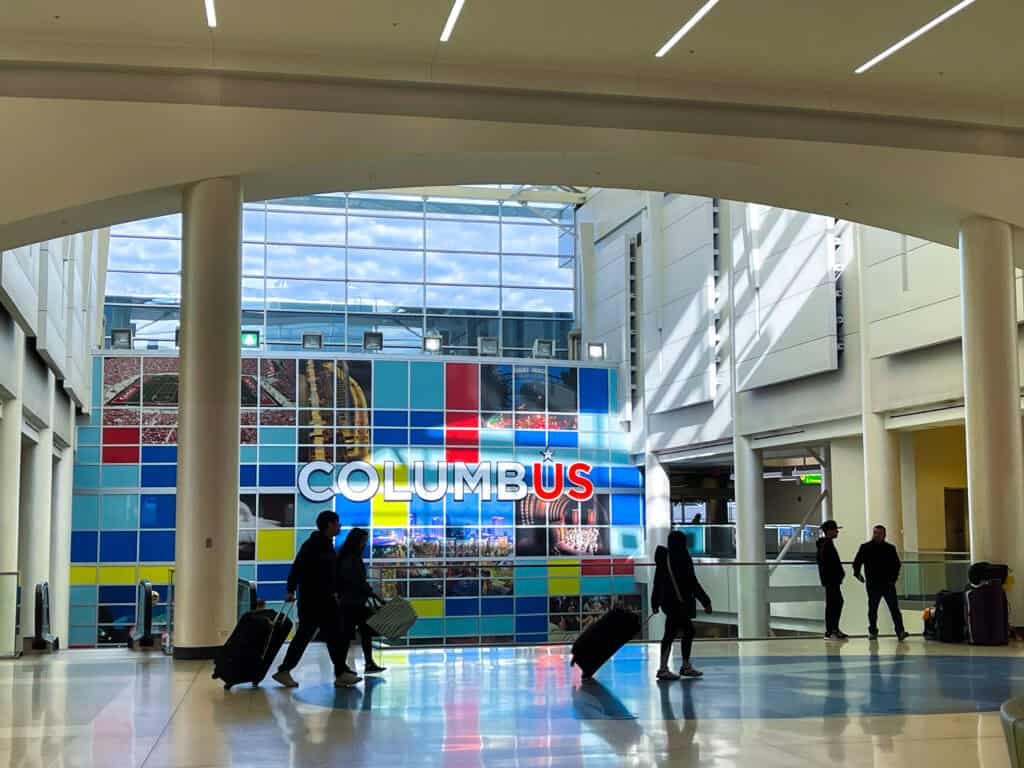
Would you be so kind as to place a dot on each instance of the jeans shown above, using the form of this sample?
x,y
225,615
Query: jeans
x,y
887,593
833,607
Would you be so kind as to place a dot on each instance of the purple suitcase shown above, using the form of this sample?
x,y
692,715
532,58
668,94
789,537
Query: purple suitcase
x,y
988,614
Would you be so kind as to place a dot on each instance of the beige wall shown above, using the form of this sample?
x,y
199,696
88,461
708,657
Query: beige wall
x,y
940,459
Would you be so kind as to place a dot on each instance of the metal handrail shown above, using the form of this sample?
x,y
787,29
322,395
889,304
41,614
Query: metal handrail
x,y
601,560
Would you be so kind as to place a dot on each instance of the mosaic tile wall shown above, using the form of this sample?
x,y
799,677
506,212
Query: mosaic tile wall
x,y
477,571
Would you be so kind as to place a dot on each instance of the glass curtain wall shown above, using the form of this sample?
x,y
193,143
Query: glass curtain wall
x,y
342,264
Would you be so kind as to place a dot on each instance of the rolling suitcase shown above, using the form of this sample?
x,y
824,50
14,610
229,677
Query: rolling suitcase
x,y
247,655
982,572
988,615
949,617
599,642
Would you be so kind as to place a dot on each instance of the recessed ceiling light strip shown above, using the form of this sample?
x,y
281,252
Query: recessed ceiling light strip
x,y
912,36
694,20
211,14
449,26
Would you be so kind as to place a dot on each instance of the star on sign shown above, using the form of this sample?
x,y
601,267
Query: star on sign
x,y
547,454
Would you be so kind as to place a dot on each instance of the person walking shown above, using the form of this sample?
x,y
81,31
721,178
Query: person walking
x,y
353,592
881,564
313,575
676,592
831,575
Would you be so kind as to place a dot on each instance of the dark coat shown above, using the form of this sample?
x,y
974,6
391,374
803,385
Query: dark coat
x,y
830,566
664,596
313,571
881,563
353,588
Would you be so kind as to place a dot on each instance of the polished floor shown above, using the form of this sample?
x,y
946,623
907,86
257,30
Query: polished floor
x,y
782,703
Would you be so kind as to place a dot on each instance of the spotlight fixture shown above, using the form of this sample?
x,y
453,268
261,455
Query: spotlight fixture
x,y
121,338
543,348
312,341
453,16
373,341
596,350
250,339
487,346
703,11
432,343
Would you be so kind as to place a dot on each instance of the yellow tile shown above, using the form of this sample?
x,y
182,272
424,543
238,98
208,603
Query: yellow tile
x,y
83,574
157,574
563,567
428,607
564,586
391,514
275,545
118,574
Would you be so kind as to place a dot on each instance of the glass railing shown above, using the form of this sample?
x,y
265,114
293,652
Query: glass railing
x,y
719,540
8,614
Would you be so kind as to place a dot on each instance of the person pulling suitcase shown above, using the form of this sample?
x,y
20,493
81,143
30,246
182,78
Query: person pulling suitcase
x,y
313,575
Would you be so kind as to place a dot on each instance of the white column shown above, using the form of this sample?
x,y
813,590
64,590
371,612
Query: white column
x,y
10,493
206,545
995,481
60,534
826,483
908,491
34,531
658,512
752,580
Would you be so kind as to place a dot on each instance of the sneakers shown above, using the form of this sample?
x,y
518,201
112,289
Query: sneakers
x,y
902,636
667,675
346,680
873,634
373,668
689,671
284,677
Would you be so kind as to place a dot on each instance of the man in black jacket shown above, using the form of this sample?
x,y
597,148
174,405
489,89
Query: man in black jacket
x,y
881,563
831,575
312,574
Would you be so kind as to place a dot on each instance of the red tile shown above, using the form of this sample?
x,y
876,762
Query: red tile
x,y
462,387
120,435
622,566
468,455
463,437
460,420
120,454
596,568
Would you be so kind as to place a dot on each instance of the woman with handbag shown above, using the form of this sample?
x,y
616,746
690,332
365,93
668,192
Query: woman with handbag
x,y
676,591
357,598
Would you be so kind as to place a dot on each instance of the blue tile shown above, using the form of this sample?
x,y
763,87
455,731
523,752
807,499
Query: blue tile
x,y
531,438
352,513
119,512
531,604
160,476
465,512
159,454
627,509
117,614
497,625
532,639
157,510
390,436
593,390
156,546
272,572
425,512
459,606
271,591
247,475
117,594
426,419
526,624
120,475
627,477
496,512
600,477
497,606
84,547
119,547
560,439
277,476
426,436
391,418
85,512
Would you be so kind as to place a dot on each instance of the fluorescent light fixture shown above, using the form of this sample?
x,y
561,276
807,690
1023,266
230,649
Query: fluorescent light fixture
x,y
250,339
487,346
543,349
312,341
449,26
912,36
700,14
432,343
121,338
211,14
373,341
596,350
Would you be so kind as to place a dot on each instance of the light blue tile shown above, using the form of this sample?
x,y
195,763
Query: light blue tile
x,y
82,615
623,585
427,386
88,435
528,587
278,436
83,594
619,457
495,455
96,417
97,382
121,476
247,454
247,571
426,455
592,456
461,627
306,512
277,454
85,512
613,392
593,422
497,625
627,541
497,437
82,635
427,628
595,585
88,454
87,476
119,512
392,454
390,384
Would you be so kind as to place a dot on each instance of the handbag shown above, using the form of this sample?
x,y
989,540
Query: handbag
x,y
393,619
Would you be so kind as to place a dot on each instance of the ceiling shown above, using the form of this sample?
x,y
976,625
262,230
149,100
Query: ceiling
x,y
787,52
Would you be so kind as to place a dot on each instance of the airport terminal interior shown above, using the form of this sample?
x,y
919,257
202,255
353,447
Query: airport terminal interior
x,y
539,298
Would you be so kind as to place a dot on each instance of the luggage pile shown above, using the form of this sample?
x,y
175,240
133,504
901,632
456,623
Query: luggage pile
x,y
978,614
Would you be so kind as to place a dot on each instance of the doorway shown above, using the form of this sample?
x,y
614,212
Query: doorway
x,y
957,539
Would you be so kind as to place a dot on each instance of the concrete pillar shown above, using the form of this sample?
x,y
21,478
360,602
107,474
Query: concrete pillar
x,y
60,538
658,512
34,529
995,480
908,491
752,580
206,545
826,483
10,492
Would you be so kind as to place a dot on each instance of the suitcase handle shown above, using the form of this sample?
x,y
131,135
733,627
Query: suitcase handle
x,y
286,613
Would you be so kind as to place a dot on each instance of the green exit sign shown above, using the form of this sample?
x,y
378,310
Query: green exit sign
x,y
250,339
810,479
